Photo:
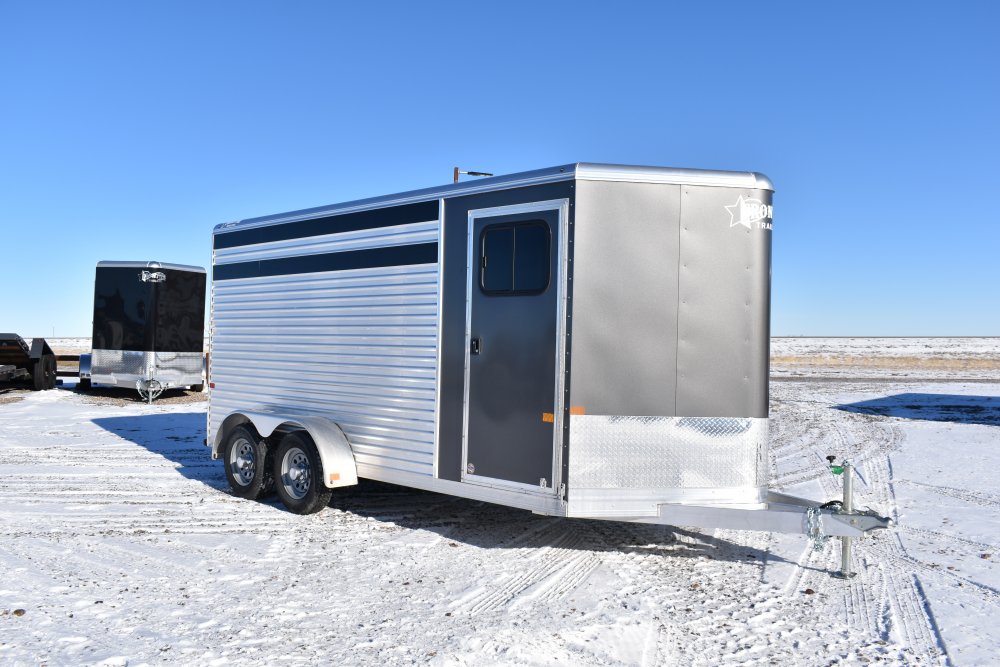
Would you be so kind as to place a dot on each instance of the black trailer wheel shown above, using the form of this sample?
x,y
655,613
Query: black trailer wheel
x,y
298,475
83,384
44,374
198,388
248,465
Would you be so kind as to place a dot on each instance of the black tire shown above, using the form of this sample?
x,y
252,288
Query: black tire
x,y
248,463
44,373
83,384
298,475
198,388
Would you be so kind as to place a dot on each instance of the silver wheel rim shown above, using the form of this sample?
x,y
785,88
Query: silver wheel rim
x,y
296,473
242,462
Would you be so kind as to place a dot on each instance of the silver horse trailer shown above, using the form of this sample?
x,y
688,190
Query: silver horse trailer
x,y
584,341
149,327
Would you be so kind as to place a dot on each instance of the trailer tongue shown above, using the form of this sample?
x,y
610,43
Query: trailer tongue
x,y
782,513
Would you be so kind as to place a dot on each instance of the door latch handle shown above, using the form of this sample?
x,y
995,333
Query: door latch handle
x,y
474,346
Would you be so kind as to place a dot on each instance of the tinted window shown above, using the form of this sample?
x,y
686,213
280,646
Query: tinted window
x,y
498,259
515,258
531,258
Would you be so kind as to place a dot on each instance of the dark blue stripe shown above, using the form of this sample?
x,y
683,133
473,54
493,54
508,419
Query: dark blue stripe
x,y
402,255
331,224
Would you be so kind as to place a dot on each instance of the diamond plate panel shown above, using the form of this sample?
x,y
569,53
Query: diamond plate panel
x,y
611,452
178,368
172,369
121,362
186,363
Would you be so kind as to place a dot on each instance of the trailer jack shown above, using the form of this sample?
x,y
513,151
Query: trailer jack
x,y
847,507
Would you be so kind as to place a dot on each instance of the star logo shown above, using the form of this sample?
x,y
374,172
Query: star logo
x,y
747,211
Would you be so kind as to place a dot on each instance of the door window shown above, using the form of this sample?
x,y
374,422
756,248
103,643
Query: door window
x,y
514,258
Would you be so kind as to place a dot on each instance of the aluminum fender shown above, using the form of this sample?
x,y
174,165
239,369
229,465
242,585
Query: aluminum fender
x,y
339,467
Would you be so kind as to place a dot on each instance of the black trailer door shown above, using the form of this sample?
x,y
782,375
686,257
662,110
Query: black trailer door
x,y
512,338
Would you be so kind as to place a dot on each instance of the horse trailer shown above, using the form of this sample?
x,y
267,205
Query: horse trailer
x,y
149,327
583,341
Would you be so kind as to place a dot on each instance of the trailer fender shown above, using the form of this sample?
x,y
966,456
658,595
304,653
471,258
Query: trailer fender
x,y
39,349
85,363
339,467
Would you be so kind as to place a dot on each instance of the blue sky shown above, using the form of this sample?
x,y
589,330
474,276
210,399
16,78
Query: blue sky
x,y
128,130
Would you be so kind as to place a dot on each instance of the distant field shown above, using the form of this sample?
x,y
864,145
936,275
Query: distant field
x,y
69,345
942,358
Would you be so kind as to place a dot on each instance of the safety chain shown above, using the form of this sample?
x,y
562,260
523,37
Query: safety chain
x,y
814,528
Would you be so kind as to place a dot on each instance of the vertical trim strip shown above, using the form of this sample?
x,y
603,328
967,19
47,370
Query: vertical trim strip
x,y
677,306
440,329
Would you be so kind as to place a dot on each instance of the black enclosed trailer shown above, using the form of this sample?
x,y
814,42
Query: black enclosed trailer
x,y
149,323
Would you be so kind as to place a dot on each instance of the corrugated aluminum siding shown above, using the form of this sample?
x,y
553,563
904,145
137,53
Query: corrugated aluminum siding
x,y
358,347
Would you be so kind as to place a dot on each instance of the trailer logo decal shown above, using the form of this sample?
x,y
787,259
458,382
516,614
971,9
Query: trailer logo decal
x,y
751,213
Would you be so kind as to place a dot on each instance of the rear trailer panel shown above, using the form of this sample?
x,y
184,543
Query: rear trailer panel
x,y
149,323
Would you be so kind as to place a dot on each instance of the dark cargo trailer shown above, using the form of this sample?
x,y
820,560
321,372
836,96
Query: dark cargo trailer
x,y
149,323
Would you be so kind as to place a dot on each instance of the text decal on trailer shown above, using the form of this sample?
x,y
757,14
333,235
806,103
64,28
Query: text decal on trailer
x,y
751,213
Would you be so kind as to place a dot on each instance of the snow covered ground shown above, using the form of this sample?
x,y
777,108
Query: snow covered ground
x,y
120,545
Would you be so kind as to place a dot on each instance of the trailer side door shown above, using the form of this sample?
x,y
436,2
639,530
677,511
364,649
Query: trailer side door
x,y
513,336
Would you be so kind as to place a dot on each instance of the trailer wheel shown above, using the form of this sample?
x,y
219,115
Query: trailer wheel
x,y
198,388
83,384
298,475
248,465
44,374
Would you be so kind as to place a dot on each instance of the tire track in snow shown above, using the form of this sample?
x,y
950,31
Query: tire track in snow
x,y
881,599
948,537
981,498
905,608
547,563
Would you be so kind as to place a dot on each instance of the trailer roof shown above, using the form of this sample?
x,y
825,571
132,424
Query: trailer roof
x,y
584,171
151,265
